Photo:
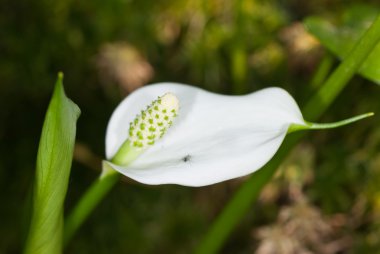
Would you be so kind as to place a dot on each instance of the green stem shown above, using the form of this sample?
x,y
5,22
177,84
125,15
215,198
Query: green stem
x,y
88,202
321,126
99,189
250,190
238,52
323,70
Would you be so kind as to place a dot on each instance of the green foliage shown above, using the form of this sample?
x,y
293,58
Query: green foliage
x,y
52,174
340,38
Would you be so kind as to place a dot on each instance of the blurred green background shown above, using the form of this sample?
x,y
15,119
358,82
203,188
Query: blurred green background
x,y
324,199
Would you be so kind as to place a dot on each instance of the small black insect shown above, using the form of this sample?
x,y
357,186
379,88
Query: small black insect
x,y
186,158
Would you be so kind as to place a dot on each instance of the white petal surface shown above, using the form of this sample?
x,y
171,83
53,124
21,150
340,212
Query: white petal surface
x,y
213,139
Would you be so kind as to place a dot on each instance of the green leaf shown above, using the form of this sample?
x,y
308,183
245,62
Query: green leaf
x,y
54,159
339,37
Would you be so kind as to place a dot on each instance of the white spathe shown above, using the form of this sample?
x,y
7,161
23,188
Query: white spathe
x,y
213,139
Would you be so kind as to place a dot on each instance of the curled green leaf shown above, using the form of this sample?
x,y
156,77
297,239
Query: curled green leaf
x,y
52,174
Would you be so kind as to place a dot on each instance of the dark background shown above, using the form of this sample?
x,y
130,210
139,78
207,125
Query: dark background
x,y
324,199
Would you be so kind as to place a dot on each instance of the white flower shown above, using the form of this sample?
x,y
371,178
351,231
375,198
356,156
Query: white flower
x,y
214,137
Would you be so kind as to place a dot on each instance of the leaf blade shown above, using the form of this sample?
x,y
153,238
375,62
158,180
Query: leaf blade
x,y
52,173
340,39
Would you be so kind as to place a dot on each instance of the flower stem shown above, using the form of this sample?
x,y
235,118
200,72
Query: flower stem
x,y
98,190
322,71
238,52
88,202
242,201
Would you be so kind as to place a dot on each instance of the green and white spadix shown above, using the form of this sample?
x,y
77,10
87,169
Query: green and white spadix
x,y
214,137
147,127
